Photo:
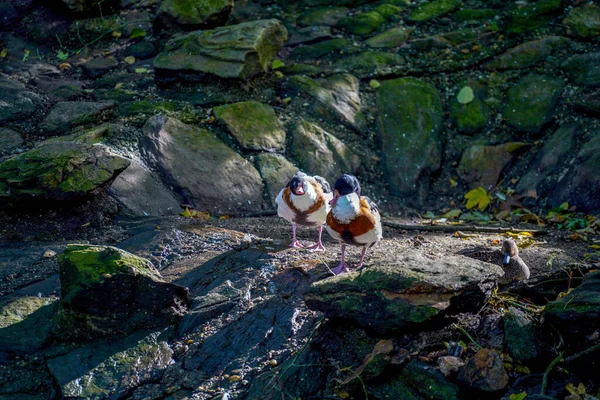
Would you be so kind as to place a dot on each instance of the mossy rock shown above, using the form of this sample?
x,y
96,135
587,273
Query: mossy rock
x,y
583,69
145,107
367,62
395,388
194,14
254,125
433,9
473,116
523,336
394,37
528,54
584,21
117,95
301,69
429,382
9,139
474,14
320,49
68,114
94,28
533,16
362,24
328,16
530,104
276,171
387,11
410,117
59,171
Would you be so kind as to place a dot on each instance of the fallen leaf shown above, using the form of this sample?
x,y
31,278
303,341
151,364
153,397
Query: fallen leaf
x,y
3,53
141,70
137,33
518,396
466,95
478,198
455,213
276,64
374,83
129,60
453,183
512,202
64,66
116,34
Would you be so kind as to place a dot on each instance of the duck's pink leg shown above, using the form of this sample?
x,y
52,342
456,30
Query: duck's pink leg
x,y
295,243
319,246
343,267
362,256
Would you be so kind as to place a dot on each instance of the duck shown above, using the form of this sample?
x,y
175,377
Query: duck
x,y
353,220
508,258
305,201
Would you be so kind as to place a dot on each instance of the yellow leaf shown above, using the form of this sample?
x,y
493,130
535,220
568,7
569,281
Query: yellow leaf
x,y
453,183
64,66
595,246
130,60
342,394
224,217
3,53
116,34
478,198
186,213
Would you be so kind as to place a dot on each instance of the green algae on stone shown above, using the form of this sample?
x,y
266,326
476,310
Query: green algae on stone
x,y
368,61
410,117
320,49
301,69
433,9
583,69
531,102
391,38
362,24
528,53
194,13
145,107
533,16
472,14
471,117
276,171
329,16
68,114
19,309
387,11
584,21
9,139
254,125
522,335
429,382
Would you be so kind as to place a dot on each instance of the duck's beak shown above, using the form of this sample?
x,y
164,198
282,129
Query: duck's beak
x,y
506,259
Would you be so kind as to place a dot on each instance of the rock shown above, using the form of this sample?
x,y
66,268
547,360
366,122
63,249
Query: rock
x,y
254,125
204,170
329,16
485,372
91,7
139,193
319,49
368,63
524,338
583,69
392,389
136,23
17,102
9,140
8,13
528,54
320,153
276,171
580,185
532,16
25,325
141,50
433,9
589,104
429,382
394,37
543,171
68,114
337,97
410,128
450,365
482,165
584,21
362,24
107,291
530,104
191,14
310,34
474,14
111,368
59,171
236,51
473,116
99,66
404,290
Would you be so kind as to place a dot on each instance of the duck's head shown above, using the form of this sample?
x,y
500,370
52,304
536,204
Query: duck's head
x,y
509,249
345,185
299,184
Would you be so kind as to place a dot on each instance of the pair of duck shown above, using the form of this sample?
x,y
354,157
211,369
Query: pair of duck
x,y
354,219
350,219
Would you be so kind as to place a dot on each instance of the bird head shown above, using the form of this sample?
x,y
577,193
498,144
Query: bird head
x,y
298,184
345,185
509,249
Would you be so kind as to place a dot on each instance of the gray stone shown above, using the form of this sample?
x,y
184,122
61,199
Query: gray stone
x,y
410,127
276,171
99,66
254,125
523,336
110,368
141,50
323,16
583,69
485,372
320,153
16,101
59,171
530,104
528,53
68,114
309,34
337,97
9,140
236,51
405,289
202,168
191,14
394,37
139,193
429,382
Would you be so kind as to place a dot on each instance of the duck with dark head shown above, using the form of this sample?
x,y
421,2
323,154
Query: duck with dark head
x,y
305,201
353,219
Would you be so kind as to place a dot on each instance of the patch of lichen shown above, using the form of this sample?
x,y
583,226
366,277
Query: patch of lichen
x,y
387,11
17,310
362,24
85,265
433,9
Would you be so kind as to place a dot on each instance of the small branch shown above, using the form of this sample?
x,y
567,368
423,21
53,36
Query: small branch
x,y
558,359
464,332
456,228
582,353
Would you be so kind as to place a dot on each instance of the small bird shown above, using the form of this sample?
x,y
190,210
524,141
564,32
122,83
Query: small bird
x,y
305,201
353,219
508,258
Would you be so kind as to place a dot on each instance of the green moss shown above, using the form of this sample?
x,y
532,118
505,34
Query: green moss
x,y
17,310
301,69
323,16
320,49
471,14
429,382
368,61
145,107
433,9
391,38
85,265
533,16
362,24
387,11
584,21
193,12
